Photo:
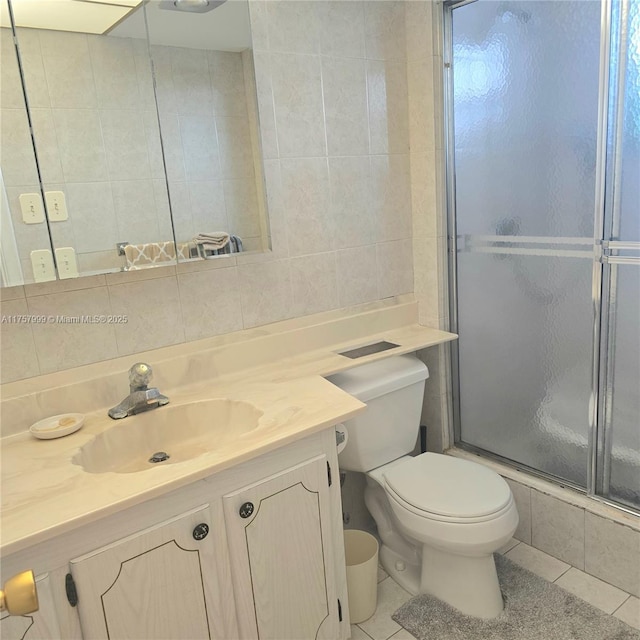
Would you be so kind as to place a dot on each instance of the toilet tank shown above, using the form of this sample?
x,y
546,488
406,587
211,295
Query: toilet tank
x,y
392,389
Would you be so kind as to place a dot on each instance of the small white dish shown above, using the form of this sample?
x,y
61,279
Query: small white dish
x,y
57,426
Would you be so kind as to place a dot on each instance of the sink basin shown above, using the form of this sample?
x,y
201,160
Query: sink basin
x,y
170,434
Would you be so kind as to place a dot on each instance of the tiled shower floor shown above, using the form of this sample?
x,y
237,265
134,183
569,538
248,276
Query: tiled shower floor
x,y
600,594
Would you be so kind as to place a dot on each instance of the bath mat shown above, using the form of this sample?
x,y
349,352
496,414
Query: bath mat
x,y
534,610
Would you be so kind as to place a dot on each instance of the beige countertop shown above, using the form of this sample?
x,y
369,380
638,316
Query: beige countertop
x,y
45,494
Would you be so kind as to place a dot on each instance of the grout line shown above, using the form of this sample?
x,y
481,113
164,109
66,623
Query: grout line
x,y
565,571
363,631
622,604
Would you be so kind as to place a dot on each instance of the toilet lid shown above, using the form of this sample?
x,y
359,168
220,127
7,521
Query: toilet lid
x,y
448,486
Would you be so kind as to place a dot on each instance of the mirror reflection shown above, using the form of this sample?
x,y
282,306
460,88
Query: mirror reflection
x,y
117,182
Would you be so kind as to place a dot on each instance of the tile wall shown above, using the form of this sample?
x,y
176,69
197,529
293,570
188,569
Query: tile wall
x,y
335,124
576,535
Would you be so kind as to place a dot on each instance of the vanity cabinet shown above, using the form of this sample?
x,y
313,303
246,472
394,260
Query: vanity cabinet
x,y
270,565
282,557
154,584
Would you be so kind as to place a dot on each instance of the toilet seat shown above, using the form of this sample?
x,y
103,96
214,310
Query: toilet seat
x,y
448,489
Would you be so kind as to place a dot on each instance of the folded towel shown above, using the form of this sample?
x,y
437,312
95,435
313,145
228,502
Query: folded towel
x,y
139,256
213,240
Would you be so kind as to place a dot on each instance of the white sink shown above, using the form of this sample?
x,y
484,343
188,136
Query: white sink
x,y
182,432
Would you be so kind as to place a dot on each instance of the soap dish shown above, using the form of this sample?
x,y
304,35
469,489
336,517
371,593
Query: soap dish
x,y
57,426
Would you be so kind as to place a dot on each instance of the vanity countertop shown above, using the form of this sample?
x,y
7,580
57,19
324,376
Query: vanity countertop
x,y
45,494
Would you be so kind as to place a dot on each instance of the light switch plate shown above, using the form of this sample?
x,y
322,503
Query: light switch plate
x,y
66,261
56,206
42,263
31,207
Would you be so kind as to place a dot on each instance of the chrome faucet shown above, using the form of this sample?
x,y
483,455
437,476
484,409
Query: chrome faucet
x,y
141,397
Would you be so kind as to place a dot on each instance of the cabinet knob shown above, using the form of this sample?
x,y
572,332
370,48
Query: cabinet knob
x,y
246,509
200,531
18,595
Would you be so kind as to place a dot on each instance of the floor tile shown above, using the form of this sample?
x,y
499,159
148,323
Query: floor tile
x,y
358,634
537,562
403,634
629,612
382,574
391,596
601,595
508,546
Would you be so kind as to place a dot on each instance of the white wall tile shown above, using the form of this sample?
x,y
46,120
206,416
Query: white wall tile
x,y
345,105
44,132
350,201
265,291
228,91
391,196
388,106
114,72
297,91
80,144
395,268
342,28
522,496
385,30
153,311
134,204
305,195
294,27
63,345
314,283
357,279
18,162
612,552
90,207
210,302
18,358
557,528
200,147
125,143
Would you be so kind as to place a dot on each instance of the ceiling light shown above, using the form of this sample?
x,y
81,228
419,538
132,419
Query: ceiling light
x,y
193,6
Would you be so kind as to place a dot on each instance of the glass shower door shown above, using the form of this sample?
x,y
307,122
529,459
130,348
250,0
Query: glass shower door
x,y
525,124
619,469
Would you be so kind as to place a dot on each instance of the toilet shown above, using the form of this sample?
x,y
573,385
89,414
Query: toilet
x,y
440,518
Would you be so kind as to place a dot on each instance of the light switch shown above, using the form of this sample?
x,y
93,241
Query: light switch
x,y
56,206
31,207
42,263
66,261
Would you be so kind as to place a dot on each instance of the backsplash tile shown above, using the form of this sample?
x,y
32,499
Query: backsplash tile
x,y
64,342
154,314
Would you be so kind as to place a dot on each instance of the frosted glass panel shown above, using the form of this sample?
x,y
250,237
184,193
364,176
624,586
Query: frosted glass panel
x,y
525,112
629,145
525,78
624,400
525,327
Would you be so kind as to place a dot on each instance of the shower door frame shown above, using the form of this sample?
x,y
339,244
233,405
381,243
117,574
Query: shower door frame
x,y
599,438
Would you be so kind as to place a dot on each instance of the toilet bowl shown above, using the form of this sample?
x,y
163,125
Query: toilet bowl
x,y
440,518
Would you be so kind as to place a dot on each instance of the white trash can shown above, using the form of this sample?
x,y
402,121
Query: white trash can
x,y
361,554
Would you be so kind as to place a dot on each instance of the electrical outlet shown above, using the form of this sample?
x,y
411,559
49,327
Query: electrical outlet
x,y
31,207
42,263
56,206
66,261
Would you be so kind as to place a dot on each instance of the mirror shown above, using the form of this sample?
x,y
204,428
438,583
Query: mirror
x,y
124,166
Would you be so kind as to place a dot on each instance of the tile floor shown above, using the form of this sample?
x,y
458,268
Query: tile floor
x,y
600,594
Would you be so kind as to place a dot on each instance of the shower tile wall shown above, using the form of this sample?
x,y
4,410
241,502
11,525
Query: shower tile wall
x,y
336,127
597,545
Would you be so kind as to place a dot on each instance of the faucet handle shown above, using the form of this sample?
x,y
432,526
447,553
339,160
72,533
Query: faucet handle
x,y
140,375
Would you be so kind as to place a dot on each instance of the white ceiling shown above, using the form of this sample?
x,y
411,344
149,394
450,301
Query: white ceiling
x,y
225,28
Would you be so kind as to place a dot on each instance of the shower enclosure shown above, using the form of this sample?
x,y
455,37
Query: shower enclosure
x,y
543,154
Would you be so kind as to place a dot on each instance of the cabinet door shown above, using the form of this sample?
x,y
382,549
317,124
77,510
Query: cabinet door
x,y
40,625
281,555
158,583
